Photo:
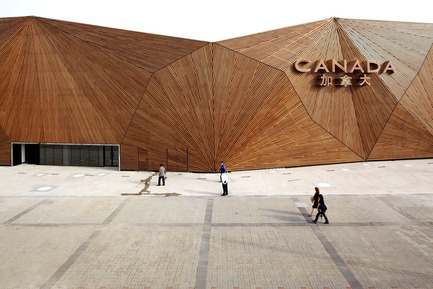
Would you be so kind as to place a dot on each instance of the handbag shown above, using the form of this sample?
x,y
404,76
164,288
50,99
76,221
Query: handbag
x,y
322,208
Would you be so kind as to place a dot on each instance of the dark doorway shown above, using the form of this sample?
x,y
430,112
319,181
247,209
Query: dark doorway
x,y
17,157
32,154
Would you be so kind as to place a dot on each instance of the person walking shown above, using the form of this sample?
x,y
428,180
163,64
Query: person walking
x,y
161,175
319,203
314,199
222,171
225,183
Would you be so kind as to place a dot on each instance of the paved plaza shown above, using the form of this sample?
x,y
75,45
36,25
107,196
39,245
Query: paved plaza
x,y
94,228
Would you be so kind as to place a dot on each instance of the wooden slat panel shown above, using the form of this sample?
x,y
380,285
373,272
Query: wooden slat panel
x,y
287,136
8,26
21,115
405,44
148,51
67,90
418,99
403,137
222,78
373,103
409,131
176,112
331,107
5,148
256,114
270,46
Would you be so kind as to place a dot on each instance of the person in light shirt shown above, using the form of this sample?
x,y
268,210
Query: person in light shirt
x,y
161,175
225,183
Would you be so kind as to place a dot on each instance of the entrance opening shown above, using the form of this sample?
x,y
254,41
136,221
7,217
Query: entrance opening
x,y
66,155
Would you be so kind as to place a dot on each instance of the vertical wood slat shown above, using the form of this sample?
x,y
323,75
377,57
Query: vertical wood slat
x,y
409,131
331,107
253,102
5,148
150,52
405,45
67,91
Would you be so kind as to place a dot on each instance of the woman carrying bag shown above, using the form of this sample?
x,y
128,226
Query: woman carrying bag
x,y
319,203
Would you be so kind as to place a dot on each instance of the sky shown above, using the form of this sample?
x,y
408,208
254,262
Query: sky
x,y
214,20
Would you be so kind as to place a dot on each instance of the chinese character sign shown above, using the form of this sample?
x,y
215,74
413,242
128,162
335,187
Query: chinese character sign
x,y
343,73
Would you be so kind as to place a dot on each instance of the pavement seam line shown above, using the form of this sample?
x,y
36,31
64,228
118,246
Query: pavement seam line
x,y
202,266
116,212
74,257
401,212
339,262
13,219
71,260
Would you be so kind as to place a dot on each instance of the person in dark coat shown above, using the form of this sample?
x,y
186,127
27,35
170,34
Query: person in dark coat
x,y
319,203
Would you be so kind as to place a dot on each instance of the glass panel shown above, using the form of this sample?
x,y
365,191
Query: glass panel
x,y
58,155
93,156
66,155
107,156
42,154
49,155
75,156
78,155
100,156
84,156
115,157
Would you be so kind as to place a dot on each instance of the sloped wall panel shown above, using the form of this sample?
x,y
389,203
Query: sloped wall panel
x,y
5,148
223,106
403,138
8,27
148,51
176,113
278,48
58,88
405,44
409,131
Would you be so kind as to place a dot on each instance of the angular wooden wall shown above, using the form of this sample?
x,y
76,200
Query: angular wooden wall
x,y
62,85
147,51
357,116
191,104
224,106
409,131
175,114
5,148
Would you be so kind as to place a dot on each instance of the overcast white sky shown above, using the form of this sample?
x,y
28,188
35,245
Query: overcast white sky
x,y
214,20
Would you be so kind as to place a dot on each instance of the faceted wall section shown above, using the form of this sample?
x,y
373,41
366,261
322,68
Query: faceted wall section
x,y
409,131
222,106
5,148
355,115
64,82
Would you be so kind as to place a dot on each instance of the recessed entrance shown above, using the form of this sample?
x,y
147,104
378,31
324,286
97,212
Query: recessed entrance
x,y
66,155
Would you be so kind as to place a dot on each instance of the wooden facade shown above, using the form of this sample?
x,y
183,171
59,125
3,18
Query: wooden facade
x,y
192,104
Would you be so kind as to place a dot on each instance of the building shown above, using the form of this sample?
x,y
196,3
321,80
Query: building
x,y
331,91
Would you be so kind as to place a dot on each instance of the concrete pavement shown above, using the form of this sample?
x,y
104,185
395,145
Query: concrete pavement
x,y
71,227
391,177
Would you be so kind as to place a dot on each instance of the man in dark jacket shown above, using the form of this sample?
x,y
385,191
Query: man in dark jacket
x,y
319,203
